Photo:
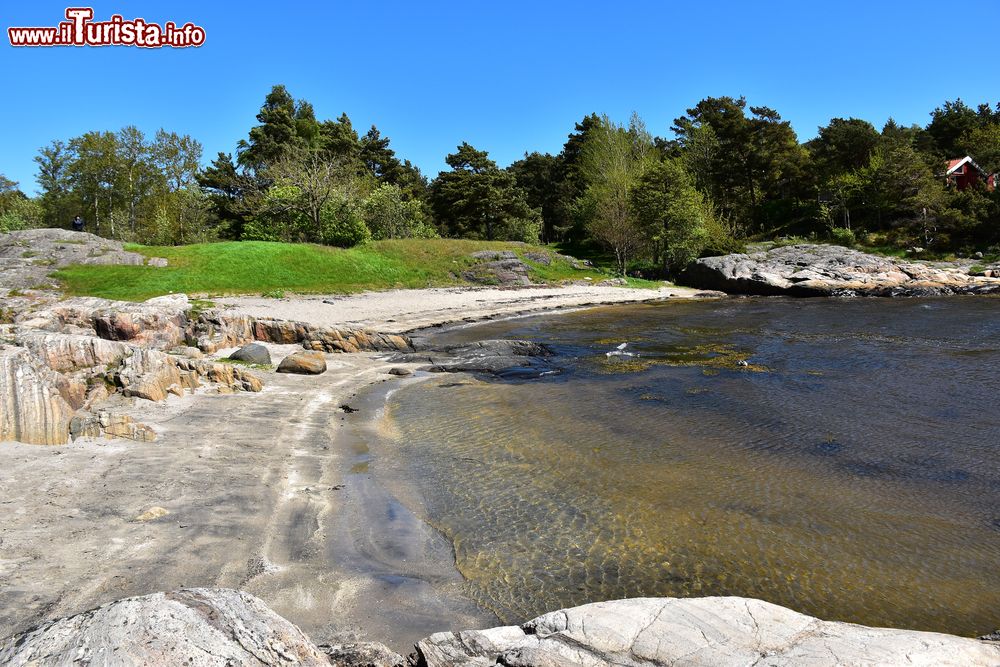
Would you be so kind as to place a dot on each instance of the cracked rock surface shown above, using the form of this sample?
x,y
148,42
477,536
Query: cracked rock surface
x,y
828,270
710,631
199,626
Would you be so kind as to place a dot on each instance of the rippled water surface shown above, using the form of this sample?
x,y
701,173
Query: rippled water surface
x,y
848,471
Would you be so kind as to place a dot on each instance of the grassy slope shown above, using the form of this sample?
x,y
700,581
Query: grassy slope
x,y
254,267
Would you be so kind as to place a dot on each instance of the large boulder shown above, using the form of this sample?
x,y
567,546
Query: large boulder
x,y
199,626
254,353
303,363
827,270
32,408
711,631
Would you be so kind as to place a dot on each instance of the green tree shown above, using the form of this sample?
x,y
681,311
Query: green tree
x,y
285,125
539,176
476,199
613,162
390,216
17,210
756,161
225,185
54,179
673,213
93,175
843,145
949,123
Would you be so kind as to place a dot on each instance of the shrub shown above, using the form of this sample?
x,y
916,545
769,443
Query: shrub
x,y
341,224
843,236
526,230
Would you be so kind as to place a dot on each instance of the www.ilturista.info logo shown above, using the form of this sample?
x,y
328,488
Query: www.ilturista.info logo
x,y
81,30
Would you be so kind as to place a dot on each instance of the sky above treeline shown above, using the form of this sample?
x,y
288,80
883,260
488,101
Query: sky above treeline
x,y
507,77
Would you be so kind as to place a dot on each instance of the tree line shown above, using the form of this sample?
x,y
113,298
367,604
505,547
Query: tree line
x,y
730,172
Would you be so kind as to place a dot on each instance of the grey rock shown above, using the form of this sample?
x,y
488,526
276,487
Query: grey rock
x,y
825,270
400,371
28,256
303,363
158,262
494,255
500,358
361,654
539,258
198,626
711,631
254,353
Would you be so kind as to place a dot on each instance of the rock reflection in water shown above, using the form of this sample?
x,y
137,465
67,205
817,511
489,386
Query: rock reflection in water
x,y
853,476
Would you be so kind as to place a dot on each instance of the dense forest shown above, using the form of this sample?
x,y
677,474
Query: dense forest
x,y
729,173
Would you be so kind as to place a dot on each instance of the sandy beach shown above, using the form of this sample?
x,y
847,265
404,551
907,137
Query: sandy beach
x,y
400,311
273,492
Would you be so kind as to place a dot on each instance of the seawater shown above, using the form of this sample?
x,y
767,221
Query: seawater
x,y
848,468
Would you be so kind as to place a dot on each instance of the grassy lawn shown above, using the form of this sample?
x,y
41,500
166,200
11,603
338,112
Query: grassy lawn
x,y
257,267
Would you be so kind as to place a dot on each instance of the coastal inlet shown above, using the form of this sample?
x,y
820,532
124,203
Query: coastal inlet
x,y
838,457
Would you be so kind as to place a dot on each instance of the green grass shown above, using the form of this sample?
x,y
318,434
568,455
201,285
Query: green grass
x,y
256,267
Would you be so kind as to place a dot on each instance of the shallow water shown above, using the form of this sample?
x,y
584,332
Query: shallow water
x,y
848,471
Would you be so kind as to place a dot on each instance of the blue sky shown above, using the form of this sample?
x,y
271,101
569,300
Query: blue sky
x,y
508,77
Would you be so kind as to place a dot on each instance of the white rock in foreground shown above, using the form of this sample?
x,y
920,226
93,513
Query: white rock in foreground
x,y
714,631
192,627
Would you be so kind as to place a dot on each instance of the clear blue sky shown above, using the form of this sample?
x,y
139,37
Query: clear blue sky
x,y
508,77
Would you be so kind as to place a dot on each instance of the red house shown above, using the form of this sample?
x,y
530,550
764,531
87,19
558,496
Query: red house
x,y
965,173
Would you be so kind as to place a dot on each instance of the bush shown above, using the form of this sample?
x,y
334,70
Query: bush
x,y
341,225
389,217
843,236
526,230
20,213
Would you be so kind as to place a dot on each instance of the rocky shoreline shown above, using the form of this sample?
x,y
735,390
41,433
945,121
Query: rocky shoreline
x,y
808,270
186,460
227,627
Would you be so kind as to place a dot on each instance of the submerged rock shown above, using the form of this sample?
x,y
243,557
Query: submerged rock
x,y
197,626
501,358
709,631
827,270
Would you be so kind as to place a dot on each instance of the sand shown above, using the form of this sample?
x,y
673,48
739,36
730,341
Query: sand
x,y
399,311
276,493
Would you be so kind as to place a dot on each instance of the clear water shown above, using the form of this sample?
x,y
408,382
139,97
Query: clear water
x,y
848,471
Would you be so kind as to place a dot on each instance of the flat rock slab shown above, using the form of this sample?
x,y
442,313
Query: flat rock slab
x,y
714,631
28,256
829,270
197,626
